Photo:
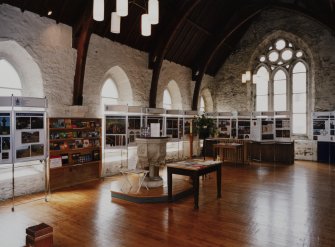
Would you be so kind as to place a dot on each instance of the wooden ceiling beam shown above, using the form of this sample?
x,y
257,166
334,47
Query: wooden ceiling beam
x,y
61,11
208,54
81,33
168,34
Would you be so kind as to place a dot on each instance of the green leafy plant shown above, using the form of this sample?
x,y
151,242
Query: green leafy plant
x,y
204,126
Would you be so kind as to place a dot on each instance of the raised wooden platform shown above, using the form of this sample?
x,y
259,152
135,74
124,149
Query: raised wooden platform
x,y
182,187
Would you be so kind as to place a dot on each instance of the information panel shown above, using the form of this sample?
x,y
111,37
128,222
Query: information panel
x,y
5,138
30,136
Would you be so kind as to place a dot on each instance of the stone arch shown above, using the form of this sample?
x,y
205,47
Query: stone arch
x,y
122,83
207,96
27,69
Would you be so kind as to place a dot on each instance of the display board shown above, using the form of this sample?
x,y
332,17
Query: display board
x,y
155,115
243,125
321,126
30,136
262,126
174,124
5,138
282,126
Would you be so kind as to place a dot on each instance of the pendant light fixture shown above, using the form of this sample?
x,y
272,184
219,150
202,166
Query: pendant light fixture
x,y
150,17
98,10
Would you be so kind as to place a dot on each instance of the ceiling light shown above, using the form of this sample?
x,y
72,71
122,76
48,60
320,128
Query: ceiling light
x,y
49,12
153,10
98,10
122,7
115,23
150,16
145,25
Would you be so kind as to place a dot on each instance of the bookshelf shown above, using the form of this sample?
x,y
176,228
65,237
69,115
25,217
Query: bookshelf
x,y
74,150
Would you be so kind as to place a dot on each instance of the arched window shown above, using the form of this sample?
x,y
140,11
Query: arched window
x,y
281,82
202,104
167,101
279,91
299,99
10,82
109,93
262,89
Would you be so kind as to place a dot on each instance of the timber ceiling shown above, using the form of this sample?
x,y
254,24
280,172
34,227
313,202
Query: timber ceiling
x,y
199,34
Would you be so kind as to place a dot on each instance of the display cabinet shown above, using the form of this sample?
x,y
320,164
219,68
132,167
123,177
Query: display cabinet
x,y
74,150
189,117
224,124
135,123
243,125
174,124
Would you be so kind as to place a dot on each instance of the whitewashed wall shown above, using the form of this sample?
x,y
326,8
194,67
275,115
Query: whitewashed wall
x,y
43,51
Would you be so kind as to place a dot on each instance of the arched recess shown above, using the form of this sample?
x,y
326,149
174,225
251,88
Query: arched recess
x,y
27,69
121,80
208,100
175,95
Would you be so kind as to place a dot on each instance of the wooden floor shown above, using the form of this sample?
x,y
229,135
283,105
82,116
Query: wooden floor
x,y
261,205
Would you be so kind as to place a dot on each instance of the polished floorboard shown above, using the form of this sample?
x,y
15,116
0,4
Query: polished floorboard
x,y
261,205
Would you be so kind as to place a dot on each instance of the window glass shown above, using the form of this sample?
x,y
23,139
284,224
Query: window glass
x,y
299,67
202,104
10,82
262,103
299,123
279,102
299,83
167,101
280,44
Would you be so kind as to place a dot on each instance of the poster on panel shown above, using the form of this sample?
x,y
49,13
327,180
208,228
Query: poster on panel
x,y
5,138
30,136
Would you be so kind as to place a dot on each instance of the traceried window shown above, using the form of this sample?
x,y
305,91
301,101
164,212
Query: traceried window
x,y
10,82
109,93
281,82
167,101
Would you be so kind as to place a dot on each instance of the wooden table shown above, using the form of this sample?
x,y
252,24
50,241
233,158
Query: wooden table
x,y
223,146
194,169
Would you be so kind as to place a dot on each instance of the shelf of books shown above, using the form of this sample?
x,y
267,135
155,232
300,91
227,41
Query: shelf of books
x,y
74,150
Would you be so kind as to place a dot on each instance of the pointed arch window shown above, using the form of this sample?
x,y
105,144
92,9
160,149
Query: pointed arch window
x,y
10,82
279,91
262,89
109,93
299,98
167,101
281,82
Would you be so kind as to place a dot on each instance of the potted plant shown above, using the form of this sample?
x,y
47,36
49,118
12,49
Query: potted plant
x,y
204,126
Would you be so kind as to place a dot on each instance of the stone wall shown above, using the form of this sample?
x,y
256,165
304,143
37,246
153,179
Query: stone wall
x,y
42,52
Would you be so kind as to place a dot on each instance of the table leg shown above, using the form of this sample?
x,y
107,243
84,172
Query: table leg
x,y
195,178
218,181
169,178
